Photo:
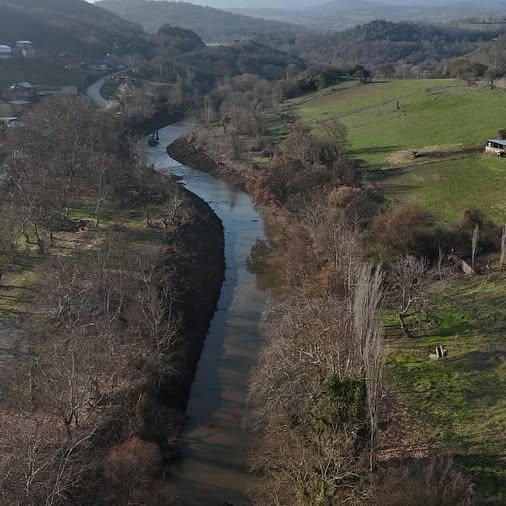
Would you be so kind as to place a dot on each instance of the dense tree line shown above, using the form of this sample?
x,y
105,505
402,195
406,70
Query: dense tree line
x,y
419,45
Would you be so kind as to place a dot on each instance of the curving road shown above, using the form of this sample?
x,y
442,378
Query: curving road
x,y
93,92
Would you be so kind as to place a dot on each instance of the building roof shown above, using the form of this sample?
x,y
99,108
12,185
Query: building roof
x,y
24,42
24,84
4,48
501,142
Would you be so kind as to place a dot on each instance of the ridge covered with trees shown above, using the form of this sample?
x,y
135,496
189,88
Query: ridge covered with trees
x,y
383,42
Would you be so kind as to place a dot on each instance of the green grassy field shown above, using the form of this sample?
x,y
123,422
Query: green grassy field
x,y
447,187
460,401
432,112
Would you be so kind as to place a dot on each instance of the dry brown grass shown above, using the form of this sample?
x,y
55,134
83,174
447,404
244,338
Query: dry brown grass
x,y
407,156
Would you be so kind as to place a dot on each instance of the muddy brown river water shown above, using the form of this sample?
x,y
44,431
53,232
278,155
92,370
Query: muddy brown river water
x,y
213,467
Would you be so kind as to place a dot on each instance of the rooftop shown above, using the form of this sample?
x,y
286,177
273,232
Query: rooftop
x,y
23,84
501,142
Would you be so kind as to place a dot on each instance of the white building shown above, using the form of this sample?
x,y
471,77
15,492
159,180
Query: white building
x,y
26,48
5,52
496,146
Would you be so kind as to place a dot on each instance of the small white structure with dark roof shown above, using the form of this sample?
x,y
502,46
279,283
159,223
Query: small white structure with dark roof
x,y
496,146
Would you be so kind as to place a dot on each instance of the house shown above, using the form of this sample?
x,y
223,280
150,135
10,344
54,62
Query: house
x,y
496,146
19,107
5,52
26,48
22,91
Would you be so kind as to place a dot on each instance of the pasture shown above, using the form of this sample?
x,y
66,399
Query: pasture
x,y
444,117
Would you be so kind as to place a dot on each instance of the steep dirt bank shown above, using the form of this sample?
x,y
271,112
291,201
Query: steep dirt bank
x,y
197,263
159,119
184,151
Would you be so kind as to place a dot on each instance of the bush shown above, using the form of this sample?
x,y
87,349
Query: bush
x,y
399,230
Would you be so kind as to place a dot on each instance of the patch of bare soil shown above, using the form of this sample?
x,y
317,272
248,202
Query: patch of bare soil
x,y
407,156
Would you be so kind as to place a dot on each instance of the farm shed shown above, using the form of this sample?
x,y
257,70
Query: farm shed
x,y
496,146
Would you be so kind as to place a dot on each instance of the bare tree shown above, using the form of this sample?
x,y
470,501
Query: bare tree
x,y
367,298
408,280
474,243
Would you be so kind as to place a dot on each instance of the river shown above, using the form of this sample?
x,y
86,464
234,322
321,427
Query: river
x,y
213,468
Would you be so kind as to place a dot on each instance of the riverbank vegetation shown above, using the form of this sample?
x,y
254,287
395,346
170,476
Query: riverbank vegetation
x,y
98,259
349,432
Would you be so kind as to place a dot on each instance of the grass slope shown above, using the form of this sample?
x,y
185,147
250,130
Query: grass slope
x,y
435,112
460,401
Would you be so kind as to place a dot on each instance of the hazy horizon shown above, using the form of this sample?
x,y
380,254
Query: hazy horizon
x,y
296,4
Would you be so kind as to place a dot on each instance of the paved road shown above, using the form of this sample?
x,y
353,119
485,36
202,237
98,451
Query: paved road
x,y
94,93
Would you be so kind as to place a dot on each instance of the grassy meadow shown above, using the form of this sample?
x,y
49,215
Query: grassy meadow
x,y
460,401
387,120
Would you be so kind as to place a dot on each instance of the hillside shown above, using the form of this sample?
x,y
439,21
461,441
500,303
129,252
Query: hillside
x,y
72,26
492,54
213,25
441,119
387,42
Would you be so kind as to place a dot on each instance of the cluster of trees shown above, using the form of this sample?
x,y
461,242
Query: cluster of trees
x,y
317,77
487,62
192,70
318,392
414,48
105,337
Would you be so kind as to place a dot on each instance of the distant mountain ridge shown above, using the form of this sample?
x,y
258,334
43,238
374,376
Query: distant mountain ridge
x,y
342,14
212,25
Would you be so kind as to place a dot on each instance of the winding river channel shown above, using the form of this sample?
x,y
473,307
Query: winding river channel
x,y
213,467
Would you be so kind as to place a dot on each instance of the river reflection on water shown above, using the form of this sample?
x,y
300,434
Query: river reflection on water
x,y
213,467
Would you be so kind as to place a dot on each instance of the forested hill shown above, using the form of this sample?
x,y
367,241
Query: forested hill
x,y
71,26
492,54
387,42
213,25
